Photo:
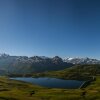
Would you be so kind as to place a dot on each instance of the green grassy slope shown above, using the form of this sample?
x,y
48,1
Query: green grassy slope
x,y
16,90
79,72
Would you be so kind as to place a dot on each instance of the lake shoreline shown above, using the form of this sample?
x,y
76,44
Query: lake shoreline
x,y
51,82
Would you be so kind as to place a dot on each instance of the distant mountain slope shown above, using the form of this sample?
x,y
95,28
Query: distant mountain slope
x,y
75,72
82,60
25,65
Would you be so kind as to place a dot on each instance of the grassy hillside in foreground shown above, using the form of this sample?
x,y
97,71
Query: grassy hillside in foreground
x,y
16,90
79,72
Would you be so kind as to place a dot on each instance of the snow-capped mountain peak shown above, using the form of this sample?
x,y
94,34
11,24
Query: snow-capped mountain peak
x,y
78,60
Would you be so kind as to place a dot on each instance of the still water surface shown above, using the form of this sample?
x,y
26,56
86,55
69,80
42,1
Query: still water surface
x,y
52,82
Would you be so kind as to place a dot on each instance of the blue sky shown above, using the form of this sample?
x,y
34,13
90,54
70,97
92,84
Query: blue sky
x,y
50,27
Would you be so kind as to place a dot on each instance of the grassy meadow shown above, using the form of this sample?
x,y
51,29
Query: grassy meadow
x,y
17,90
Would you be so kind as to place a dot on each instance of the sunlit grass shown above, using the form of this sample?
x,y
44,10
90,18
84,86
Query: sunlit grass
x,y
16,90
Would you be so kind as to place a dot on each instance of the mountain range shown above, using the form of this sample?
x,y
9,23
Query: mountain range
x,y
78,60
27,65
